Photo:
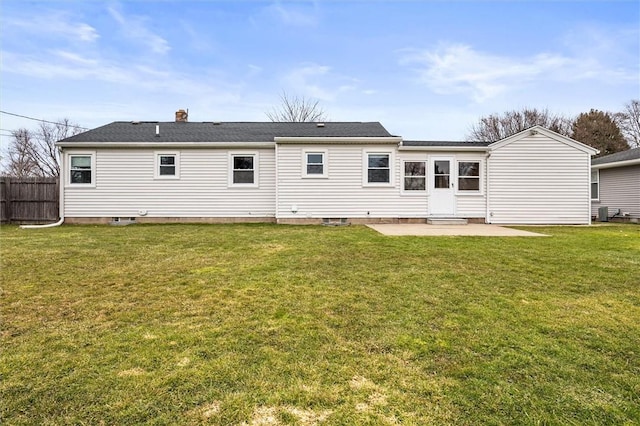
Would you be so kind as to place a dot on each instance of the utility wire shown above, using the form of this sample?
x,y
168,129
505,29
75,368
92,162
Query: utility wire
x,y
44,121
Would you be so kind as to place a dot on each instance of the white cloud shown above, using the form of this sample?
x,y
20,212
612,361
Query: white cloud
x,y
74,58
59,64
135,29
318,81
299,14
58,24
460,69
197,40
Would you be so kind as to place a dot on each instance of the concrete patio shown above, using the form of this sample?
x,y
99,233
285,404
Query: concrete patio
x,y
453,230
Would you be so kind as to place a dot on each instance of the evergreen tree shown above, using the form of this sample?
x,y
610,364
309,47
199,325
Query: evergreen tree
x,y
599,130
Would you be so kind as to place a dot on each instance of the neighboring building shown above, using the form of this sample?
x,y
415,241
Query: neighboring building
x,y
312,172
615,184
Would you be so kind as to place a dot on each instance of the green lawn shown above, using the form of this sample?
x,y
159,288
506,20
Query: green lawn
x,y
267,324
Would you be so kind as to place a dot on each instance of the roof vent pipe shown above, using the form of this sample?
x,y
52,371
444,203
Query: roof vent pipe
x,y
157,130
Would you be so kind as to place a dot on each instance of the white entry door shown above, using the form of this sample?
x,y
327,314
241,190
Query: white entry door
x,y
442,198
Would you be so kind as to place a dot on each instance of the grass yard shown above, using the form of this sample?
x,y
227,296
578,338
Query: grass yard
x,y
266,324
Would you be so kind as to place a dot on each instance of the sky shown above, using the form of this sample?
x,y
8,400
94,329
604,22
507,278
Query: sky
x,y
426,70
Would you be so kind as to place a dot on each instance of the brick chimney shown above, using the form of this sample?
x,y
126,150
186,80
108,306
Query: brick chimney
x,y
182,116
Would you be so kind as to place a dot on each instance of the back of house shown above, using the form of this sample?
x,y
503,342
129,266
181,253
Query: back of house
x,y
354,172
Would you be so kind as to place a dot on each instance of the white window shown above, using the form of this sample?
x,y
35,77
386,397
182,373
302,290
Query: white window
x,y
469,176
415,176
377,167
82,168
315,164
244,169
595,184
167,165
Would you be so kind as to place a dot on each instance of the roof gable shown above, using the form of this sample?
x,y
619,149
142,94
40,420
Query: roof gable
x,y
546,132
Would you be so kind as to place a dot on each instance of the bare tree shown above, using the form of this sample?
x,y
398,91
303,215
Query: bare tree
x,y
629,122
35,153
499,126
296,109
20,163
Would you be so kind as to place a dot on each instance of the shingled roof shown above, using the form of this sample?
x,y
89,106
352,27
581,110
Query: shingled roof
x,y
445,143
145,131
630,154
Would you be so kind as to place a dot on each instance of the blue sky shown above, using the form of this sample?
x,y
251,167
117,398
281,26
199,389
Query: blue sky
x,y
425,70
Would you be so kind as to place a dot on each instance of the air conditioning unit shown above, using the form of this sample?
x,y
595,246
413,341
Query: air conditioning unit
x,y
603,214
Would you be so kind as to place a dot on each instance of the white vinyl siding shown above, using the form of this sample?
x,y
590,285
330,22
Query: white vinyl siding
x,y
125,185
619,188
539,180
344,192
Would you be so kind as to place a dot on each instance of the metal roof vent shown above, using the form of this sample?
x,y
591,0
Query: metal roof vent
x,y
320,124
217,123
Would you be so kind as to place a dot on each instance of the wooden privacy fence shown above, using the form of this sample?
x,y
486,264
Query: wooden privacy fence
x,y
29,200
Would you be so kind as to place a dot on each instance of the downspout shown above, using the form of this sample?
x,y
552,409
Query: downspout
x,y
488,192
61,207
277,166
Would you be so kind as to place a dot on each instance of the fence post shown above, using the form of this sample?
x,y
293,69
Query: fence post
x,y
8,197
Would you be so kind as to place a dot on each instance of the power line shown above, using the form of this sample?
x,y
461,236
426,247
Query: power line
x,y
44,121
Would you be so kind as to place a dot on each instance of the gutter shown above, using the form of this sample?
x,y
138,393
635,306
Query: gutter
x,y
165,145
444,148
61,207
613,164
48,225
488,191
335,140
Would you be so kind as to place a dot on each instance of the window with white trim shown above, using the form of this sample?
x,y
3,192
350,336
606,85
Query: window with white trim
x,y
415,176
315,164
469,176
81,169
243,169
378,168
595,184
167,165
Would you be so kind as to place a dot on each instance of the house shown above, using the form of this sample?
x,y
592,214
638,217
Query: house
x,y
313,172
615,184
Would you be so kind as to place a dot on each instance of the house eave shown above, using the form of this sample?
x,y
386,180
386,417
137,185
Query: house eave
x,y
337,140
253,145
635,161
444,148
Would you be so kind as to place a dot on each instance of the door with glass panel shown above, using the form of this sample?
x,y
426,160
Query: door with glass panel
x,y
441,181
